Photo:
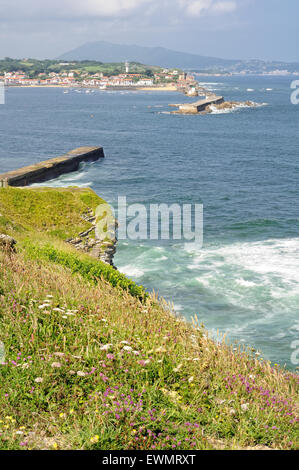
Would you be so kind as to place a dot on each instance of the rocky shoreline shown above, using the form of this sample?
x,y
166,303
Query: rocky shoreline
x,y
100,246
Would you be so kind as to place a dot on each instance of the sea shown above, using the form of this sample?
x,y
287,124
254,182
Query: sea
x,y
242,165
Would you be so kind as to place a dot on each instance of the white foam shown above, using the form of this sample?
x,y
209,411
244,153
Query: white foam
x,y
247,273
244,283
234,108
131,271
163,258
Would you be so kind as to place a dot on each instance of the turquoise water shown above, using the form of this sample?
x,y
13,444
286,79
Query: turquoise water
x,y
242,166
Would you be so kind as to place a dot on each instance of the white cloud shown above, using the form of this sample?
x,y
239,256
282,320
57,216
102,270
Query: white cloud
x,y
198,7
78,9
224,7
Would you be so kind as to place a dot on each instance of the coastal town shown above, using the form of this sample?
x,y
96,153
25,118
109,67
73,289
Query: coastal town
x,y
77,77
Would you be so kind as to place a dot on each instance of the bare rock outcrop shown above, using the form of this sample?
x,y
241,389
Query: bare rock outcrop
x,y
7,243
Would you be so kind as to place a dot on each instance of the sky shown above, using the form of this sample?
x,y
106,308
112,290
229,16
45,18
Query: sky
x,y
231,29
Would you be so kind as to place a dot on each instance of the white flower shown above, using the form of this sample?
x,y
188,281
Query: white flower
x,y
80,373
245,406
127,348
124,342
39,380
190,380
56,364
137,353
41,307
232,411
58,310
105,347
160,350
50,296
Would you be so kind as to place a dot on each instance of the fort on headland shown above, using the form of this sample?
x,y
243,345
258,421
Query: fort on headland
x,y
50,169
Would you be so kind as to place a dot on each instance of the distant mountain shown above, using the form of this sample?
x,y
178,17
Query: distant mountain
x,y
108,52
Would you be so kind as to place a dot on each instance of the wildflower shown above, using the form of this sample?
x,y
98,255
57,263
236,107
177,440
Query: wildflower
x,y
110,356
95,439
59,354
105,347
160,350
127,348
143,363
178,368
56,365
39,380
80,373
190,380
55,446
245,406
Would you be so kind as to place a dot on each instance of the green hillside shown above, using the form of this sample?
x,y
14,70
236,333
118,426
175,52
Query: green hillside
x,y
90,361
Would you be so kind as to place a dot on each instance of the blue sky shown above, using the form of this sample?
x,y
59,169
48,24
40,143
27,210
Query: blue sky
x,y
244,29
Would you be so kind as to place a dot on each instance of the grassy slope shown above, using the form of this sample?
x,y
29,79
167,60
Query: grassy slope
x,y
55,212
82,371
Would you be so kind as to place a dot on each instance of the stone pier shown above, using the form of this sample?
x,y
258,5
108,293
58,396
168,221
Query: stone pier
x,y
50,169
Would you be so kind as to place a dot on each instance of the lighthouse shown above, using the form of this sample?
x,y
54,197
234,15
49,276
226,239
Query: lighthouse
x,y
127,67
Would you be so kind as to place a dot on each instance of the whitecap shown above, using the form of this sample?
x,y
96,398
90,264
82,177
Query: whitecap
x,y
131,271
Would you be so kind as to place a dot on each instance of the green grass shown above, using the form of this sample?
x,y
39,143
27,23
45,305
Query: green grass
x,y
90,366
40,218
52,211
90,269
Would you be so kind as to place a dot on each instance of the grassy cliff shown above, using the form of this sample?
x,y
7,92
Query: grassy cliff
x,y
91,362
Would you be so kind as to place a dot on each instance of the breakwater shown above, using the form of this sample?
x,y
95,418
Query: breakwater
x,y
199,106
50,169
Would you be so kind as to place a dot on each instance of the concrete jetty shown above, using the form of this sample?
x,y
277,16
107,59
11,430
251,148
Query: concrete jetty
x,y
199,106
50,169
